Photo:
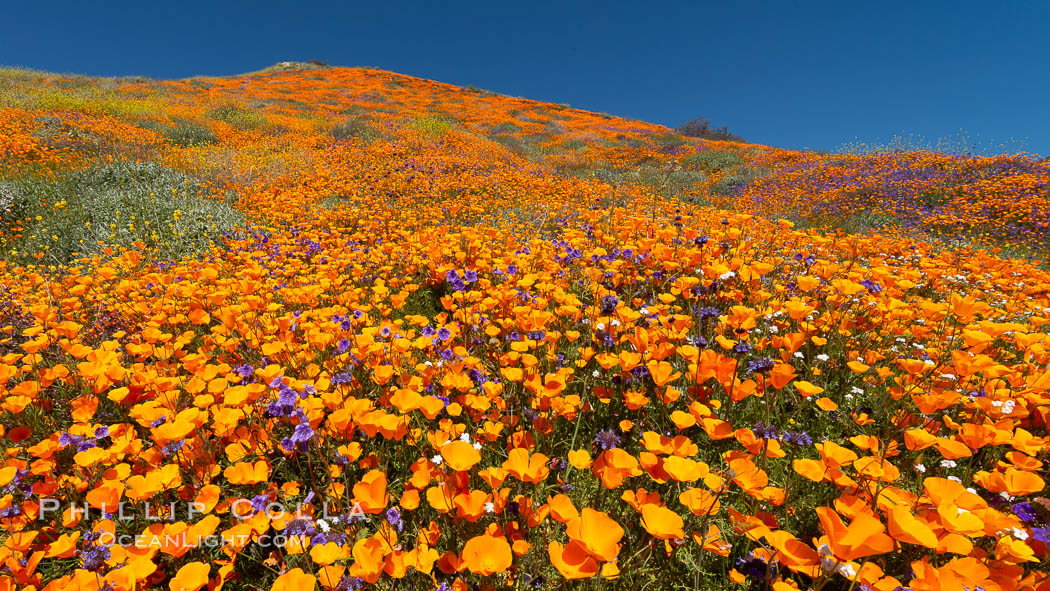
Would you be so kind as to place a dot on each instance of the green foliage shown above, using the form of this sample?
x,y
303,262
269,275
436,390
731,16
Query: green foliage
x,y
701,128
934,198
425,301
355,127
506,128
736,181
435,126
528,147
81,94
860,222
16,73
57,135
711,161
11,202
632,143
115,206
238,117
671,182
515,145
470,88
665,181
188,133
669,141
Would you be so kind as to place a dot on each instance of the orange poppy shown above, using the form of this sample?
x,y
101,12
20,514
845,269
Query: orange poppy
x,y
662,523
487,554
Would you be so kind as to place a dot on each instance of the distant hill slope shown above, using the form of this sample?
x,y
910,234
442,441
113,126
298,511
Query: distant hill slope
x,y
300,119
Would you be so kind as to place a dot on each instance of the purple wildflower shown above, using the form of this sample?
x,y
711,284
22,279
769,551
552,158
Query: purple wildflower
x,y
393,517
606,439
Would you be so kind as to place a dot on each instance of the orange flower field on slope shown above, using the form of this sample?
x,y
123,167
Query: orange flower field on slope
x,y
465,341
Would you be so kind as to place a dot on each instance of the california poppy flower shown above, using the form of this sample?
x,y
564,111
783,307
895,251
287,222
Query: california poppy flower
x,y
486,555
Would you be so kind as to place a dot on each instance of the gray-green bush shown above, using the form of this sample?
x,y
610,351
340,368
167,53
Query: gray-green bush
x,y
115,206
710,161
355,127
188,133
11,201
669,141
507,127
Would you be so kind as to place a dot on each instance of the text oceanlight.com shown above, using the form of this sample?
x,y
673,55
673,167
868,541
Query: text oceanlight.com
x,y
185,540
242,509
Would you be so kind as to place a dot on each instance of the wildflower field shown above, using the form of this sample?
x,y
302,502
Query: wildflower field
x,y
333,328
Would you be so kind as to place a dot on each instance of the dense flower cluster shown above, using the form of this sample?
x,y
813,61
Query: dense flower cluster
x,y
433,361
1000,201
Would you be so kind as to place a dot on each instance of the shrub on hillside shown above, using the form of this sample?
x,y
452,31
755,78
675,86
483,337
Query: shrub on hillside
x,y
506,127
713,161
668,142
59,135
701,128
10,201
116,206
238,117
355,127
188,133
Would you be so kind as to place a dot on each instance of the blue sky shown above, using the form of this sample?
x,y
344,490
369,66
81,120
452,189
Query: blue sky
x,y
790,74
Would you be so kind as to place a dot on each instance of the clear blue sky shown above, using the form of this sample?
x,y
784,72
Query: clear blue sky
x,y
790,74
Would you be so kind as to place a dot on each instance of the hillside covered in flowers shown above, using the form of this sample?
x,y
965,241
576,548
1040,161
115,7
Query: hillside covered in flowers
x,y
339,328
